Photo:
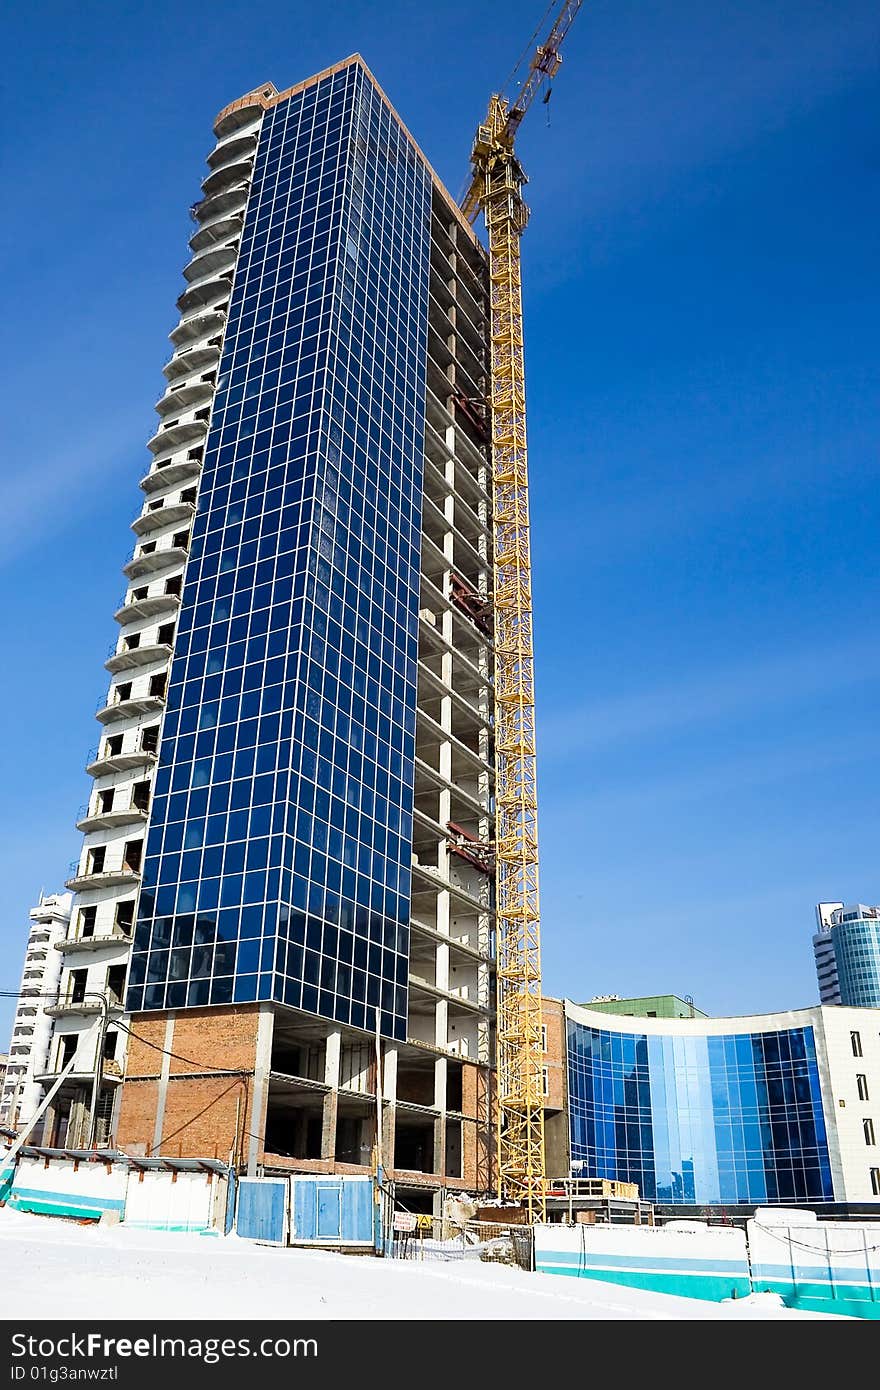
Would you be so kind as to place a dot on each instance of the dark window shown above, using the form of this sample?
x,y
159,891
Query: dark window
x,y
856,1041
150,738
125,915
116,983
132,857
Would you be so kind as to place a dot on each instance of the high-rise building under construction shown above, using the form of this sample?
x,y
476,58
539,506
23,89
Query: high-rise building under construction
x,y
288,846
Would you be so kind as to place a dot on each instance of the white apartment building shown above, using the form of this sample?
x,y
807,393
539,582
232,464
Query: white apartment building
x,y
823,951
105,879
29,1046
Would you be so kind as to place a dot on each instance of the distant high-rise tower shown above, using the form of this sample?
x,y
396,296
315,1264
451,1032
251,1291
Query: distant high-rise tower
x,y
293,798
823,951
28,1059
855,933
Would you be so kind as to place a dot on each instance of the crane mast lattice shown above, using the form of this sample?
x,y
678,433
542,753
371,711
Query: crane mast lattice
x,y
496,188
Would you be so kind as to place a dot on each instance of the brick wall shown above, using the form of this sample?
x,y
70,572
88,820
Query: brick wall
x,y
556,1133
554,1055
204,1116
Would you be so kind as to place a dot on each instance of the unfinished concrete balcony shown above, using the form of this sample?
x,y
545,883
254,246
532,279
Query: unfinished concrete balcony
x,y
206,324
244,112
160,514
229,202
104,761
179,468
148,562
220,232
193,359
212,292
83,880
116,708
186,395
234,174
211,261
175,434
132,608
71,1003
241,148
94,818
130,658
87,945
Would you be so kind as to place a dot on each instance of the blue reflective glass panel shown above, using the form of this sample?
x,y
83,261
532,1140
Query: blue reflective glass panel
x,y
713,1120
286,766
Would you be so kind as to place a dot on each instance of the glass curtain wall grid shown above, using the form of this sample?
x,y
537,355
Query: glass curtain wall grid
x,y
856,943
719,1119
278,852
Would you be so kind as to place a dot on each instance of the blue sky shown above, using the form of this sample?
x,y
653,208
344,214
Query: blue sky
x,y
701,307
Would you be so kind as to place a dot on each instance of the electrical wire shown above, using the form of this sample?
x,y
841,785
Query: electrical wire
x,y
813,1249
166,1052
528,48
206,1071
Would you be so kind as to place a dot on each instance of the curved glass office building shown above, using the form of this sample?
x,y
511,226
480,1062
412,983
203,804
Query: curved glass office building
x,y
752,1111
855,934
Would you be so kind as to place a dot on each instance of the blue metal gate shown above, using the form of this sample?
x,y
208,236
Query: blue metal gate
x,y
332,1211
262,1209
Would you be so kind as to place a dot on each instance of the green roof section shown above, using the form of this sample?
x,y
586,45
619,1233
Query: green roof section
x,y
648,1006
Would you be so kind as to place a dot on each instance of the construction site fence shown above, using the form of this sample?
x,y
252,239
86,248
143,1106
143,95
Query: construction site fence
x,y
487,1241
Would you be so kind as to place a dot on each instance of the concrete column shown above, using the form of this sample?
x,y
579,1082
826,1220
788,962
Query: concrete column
x,y
262,1067
389,1108
440,1068
331,1099
156,1147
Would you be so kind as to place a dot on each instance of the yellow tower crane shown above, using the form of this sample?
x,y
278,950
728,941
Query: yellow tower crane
x,y
496,187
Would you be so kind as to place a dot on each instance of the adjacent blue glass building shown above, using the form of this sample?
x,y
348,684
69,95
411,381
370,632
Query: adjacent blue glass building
x,y
699,1119
277,860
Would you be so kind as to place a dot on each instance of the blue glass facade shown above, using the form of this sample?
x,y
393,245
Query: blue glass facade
x,y
725,1119
857,952
278,853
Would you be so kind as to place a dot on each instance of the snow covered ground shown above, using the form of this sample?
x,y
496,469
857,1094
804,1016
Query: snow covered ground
x,y
48,1264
